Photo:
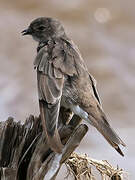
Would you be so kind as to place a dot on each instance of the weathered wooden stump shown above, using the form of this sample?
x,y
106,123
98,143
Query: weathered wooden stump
x,y
24,151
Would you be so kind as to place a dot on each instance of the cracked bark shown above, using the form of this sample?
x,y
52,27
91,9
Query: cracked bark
x,y
24,152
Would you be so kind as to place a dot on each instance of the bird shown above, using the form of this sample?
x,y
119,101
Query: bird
x,y
64,80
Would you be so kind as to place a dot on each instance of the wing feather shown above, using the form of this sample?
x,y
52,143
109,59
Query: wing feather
x,y
93,83
50,84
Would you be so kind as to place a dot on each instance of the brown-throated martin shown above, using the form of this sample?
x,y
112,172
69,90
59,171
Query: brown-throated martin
x,y
63,80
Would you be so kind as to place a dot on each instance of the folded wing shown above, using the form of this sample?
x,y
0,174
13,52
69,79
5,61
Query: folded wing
x,y
50,83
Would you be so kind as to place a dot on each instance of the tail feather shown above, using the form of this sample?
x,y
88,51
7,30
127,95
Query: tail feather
x,y
112,138
109,134
119,150
49,117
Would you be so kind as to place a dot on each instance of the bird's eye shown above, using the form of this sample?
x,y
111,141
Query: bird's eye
x,y
41,28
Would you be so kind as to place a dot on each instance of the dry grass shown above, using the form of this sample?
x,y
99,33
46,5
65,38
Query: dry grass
x,y
84,168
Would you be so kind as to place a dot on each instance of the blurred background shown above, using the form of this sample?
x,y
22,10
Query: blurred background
x,y
105,34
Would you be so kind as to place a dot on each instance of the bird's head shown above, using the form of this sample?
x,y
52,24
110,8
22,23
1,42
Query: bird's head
x,y
44,28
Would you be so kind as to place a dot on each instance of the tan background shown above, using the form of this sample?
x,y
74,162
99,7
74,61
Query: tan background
x,y
104,30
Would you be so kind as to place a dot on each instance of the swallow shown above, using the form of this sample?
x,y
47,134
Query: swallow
x,y
63,80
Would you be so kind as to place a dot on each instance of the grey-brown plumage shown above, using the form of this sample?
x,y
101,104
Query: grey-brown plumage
x,y
63,80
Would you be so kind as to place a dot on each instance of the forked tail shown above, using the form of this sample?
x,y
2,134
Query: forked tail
x,y
105,129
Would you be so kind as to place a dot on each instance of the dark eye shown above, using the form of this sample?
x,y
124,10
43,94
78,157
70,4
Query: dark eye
x,y
41,28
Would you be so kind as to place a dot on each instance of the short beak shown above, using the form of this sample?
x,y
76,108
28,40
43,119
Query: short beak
x,y
26,32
